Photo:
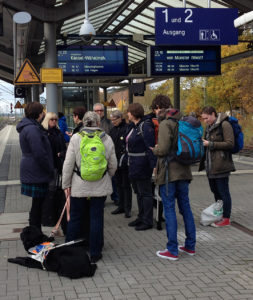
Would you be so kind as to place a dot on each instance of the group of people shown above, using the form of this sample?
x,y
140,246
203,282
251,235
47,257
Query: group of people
x,y
134,150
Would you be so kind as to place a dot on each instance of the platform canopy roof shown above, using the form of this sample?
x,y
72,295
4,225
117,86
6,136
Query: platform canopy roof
x,y
113,17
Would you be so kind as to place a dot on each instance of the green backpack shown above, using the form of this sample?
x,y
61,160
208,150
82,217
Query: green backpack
x,y
93,162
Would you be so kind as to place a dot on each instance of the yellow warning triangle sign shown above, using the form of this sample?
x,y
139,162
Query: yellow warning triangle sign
x,y
112,103
18,105
27,74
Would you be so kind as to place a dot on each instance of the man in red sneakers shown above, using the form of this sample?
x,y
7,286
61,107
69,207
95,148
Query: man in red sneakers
x,y
173,179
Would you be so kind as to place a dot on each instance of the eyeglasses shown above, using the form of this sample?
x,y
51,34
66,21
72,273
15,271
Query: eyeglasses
x,y
53,119
99,110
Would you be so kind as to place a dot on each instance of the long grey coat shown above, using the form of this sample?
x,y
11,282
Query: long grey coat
x,y
82,188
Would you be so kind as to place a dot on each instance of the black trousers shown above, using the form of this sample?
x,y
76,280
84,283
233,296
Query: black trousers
x,y
36,212
143,189
124,190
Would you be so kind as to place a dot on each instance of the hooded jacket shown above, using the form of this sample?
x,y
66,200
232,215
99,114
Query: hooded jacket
x,y
218,157
82,188
36,164
167,143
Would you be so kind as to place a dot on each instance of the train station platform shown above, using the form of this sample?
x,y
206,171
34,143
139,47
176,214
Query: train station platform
x,y
130,269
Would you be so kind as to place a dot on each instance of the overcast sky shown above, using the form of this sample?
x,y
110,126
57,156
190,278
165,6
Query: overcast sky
x,y
6,95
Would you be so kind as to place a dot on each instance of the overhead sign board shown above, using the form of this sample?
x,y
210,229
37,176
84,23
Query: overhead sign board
x,y
51,75
195,26
183,61
93,60
27,74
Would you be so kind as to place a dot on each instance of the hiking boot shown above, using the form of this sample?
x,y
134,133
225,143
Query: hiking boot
x,y
95,258
134,223
167,255
127,215
142,227
117,211
187,251
223,222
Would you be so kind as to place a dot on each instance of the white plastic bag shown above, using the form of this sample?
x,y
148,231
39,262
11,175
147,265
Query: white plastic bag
x,y
212,213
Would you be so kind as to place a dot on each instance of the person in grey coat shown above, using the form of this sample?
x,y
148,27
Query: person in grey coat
x,y
88,194
37,165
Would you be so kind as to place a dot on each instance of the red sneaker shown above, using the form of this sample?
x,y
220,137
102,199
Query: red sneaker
x,y
223,222
187,251
167,255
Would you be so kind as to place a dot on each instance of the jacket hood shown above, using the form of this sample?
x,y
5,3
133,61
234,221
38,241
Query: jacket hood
x,y
25,122
174,114
220,118
62,118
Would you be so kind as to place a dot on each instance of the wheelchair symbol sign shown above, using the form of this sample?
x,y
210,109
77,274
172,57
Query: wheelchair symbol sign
x,y
209,35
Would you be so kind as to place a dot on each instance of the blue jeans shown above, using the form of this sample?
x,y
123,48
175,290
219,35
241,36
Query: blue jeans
x,y
220,189
77,224
180,190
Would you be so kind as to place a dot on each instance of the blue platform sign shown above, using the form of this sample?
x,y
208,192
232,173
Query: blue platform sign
x,y
93,60
179,60
195,26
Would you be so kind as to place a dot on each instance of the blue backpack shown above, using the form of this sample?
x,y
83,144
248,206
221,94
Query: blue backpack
x,y
190,148
238,135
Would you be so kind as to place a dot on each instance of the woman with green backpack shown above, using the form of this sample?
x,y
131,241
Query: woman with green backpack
x,y
86,177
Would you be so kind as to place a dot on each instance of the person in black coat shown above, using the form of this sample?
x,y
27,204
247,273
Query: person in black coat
x,y
36,166
118,135
139,140
52,204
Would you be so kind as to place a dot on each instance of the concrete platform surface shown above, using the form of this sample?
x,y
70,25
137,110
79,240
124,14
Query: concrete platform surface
x,y
130,269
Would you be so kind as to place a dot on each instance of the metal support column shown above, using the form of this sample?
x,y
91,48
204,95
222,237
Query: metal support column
x,y
51,62
35,93
60,106
105,100
131,96
95,93
177,92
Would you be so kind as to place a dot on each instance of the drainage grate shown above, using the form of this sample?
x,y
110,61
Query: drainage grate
x,y
242,228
